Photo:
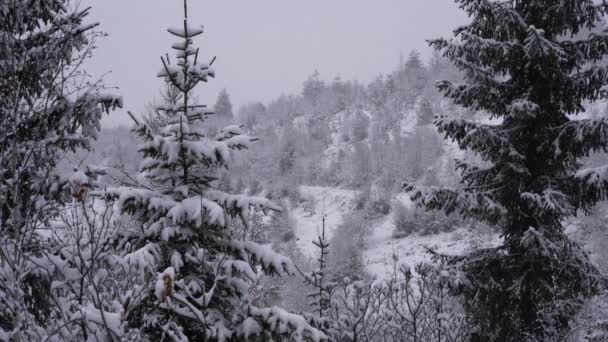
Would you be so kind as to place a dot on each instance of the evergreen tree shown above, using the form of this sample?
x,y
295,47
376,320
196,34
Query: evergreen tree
x,y
184,232
312,89
523,64
424,144
322,289
413,76
223,106
321,296
288,151
46,110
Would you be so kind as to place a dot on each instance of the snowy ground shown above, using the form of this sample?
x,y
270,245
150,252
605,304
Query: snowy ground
x,y
333,203
411,250
382,247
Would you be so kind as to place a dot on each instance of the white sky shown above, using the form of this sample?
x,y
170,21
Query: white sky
x,y
263,47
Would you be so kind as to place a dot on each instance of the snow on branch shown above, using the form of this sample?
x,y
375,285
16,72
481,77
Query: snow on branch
x,y
112,322
522,109
474,96
593,182
537,46
581,137
143,258
549,200
535,240
271,262
186,31
487,47
241,204
133,200
469,204
283,323
197,211
484,139
591,82
593,48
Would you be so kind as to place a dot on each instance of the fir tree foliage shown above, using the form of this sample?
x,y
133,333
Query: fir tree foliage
x,y
525,64
185,236
323,289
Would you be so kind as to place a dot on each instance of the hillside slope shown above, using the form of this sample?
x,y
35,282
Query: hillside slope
x,y
379,247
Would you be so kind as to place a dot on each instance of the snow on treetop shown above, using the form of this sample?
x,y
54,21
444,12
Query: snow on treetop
x,y
186,31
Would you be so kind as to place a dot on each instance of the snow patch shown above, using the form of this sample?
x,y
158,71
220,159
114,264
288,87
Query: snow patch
x,y
381,248
331,203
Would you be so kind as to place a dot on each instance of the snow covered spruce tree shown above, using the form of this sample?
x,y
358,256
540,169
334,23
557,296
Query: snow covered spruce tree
x,y
184,230
320,296
223,105
46,109
526,64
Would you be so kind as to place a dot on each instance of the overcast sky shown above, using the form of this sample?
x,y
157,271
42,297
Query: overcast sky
x,y
263,47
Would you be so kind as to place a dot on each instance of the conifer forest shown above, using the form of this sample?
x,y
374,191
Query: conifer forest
x,y
345,170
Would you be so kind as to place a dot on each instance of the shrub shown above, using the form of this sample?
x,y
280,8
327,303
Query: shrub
x,y
403,218
361,199
378,208
417,220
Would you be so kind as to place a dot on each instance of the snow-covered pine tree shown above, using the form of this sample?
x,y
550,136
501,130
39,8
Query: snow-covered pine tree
x,y
47,109
184,231
413,77
223,105
222,113
524,65
320,297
